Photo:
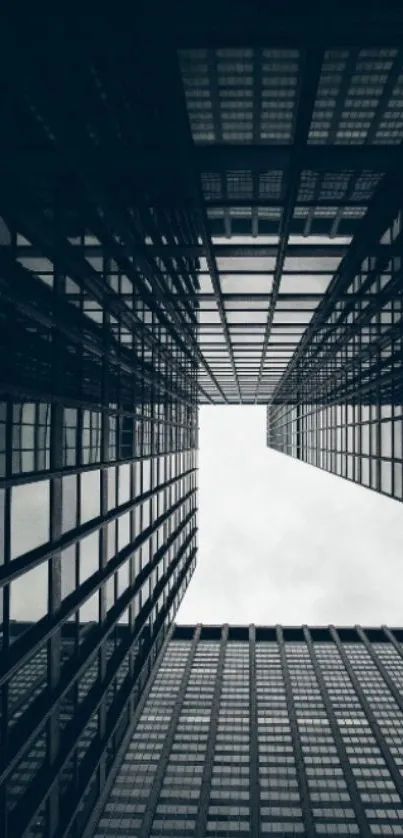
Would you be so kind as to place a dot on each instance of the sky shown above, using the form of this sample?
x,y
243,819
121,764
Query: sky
x,y
284,542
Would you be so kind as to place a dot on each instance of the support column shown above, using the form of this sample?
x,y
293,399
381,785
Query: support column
x,y
254,787
54,564
201,819
296,741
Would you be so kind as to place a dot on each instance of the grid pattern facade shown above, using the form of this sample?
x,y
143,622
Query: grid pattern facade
x,y
266,731
289,143
181,218
339,406
98,517
98,447
242,191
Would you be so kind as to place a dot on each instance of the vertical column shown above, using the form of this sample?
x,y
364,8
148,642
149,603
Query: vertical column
x,y
103,536
132,579
300,453
54,564
296,742
356,803
167,746
201,820
254,790
134,491
5,593
54,567
9,239
378,413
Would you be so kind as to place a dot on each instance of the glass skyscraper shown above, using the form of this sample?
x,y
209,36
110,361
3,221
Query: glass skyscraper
x,y
196,207
98,503
339,404
254,731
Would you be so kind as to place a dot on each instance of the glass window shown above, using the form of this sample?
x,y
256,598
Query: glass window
x,y
68,571
29,595
29,517
70,436
89,556
123,578
90,610
91,436
124,484
111,488
124,530
69,509
90,501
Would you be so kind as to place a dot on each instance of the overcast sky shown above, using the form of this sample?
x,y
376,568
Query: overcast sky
x,y
281,541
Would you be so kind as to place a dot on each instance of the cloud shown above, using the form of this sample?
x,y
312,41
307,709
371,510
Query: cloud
x,y
281,541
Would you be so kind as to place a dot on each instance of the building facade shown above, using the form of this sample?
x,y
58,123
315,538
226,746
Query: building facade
x,y
98,465
193,215
259,730
98,429
339,405
98,435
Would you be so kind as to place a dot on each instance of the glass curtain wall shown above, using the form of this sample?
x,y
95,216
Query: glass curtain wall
x,y
265,730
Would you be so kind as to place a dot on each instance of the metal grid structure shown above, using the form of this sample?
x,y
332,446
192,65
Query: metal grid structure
x,y
264,730
98,437
291,144
174,207
339,404
250,175
301,159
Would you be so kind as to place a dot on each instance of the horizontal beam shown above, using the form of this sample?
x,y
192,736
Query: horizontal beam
x,y
259,297
114,161
220,250
219,158
253,271
257,250
278,203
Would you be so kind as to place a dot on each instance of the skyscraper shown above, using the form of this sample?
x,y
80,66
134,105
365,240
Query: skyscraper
x,y
260,730
339,403
99,429
188,202
98,442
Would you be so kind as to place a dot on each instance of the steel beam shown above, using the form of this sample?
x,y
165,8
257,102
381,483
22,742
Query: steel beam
x,y
200,829
179,251
318,158
113,163
311,70
254,784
